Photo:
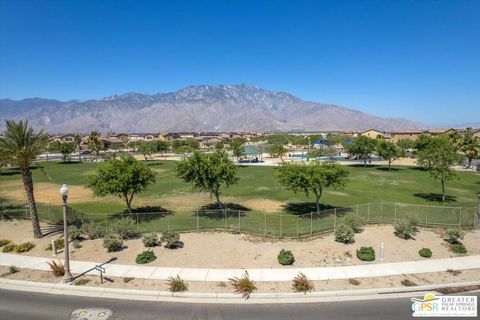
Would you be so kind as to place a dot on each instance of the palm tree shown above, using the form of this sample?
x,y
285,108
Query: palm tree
x,y
470,146
77,139
19,146
95,143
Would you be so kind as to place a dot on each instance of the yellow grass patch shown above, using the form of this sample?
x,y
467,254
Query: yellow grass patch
x,y
264,205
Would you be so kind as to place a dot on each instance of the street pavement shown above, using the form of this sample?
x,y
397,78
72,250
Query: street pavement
x,y
16,305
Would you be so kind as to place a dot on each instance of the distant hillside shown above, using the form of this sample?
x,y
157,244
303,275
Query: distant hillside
x,y
196,108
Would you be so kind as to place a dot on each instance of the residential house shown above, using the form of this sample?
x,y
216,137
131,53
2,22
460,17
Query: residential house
x,y
372,133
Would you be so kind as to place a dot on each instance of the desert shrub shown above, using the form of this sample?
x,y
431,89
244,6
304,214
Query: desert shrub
x,y
150,240
58,269
74,233
454,272
93,230
412,220
404,230
123,227
127,279
170,239
354,222
425,252
366,254
344,234
145,257
175,284
408,283
77,244
8,247
301,284
454,236
113,242
81,282
243,285
458,248
13,269
4,242
354,282
285,257
24,247
59,244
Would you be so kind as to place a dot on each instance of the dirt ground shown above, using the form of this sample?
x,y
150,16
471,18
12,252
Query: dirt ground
x,y
226,250
225,287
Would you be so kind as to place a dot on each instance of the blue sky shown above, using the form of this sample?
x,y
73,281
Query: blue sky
x,y
414,59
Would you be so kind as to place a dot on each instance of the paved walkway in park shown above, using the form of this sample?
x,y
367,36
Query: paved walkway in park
x,y
272,274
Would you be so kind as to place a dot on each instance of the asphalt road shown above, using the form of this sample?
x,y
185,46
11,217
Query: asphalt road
x,y
15,305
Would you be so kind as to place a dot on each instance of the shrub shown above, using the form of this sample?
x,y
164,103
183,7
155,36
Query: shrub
x,y
59,244
454,272
145,257
243,285
4,242
170,239
302,284
58,269
175,284
123,227
408,283
404,230
285,257
354,282
74,233
425,252
9,247
93,230
412,220
344,234
113,242
458,248
354,222
24,247
81,282
453,236
127,279
13,269
150,240
77,244
366,254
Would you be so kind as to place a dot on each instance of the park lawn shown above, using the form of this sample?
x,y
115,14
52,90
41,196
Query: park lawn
x,y
371,184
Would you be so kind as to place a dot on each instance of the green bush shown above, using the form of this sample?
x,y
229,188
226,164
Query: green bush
x,y
354,222
4,242
285,257
93,230
123,227
344,234
366,254
9,247
175,284
453,236
13,269
113,242
404,230
74,233
146,257
24,247
59,245
425,252
150,240
170,239
458,248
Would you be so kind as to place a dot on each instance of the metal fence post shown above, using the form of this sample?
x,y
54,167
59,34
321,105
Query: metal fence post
x,y
368,212
297,226
239,221
225,218
426,216
381,211
311,223
395,213
137,222
281,225
168,223
1,209
198,225
49,212
106,228
460,219
265,224
334,219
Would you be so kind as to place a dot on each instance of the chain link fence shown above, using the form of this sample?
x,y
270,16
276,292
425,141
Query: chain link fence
x,y
287,225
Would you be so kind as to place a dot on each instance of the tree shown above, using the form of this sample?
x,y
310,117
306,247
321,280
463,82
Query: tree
x,y
146,148
437,158
95,143
192,144
388,151
20,146
470,146
77,140
123,177
362,147
208,172
457,139
278,151
422,142
312,177
236,146
405,144
65,148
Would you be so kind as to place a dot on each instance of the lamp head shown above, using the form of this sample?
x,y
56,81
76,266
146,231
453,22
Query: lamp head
x,y
64,192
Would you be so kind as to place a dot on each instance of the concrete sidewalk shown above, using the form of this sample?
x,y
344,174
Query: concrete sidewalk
x,y
273,274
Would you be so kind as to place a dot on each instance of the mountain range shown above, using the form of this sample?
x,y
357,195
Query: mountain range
x,y
241,107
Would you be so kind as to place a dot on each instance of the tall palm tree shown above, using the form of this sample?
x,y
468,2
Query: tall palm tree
x,y
19,146
95,143
470,146
77,139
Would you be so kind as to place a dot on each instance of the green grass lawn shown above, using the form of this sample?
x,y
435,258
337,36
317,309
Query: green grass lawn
x,y
371,184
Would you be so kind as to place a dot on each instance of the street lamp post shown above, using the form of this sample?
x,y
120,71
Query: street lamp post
x,y
64,193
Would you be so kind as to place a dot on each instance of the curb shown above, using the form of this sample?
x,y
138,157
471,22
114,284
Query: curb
x,y
225,298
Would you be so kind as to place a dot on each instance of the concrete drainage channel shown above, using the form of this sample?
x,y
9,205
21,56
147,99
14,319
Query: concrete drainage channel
x,y
228,298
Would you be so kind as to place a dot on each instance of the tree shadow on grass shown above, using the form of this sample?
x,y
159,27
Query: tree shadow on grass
x,y
212,211
70,162
146,213
300,208
436,197
392,169
154,164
